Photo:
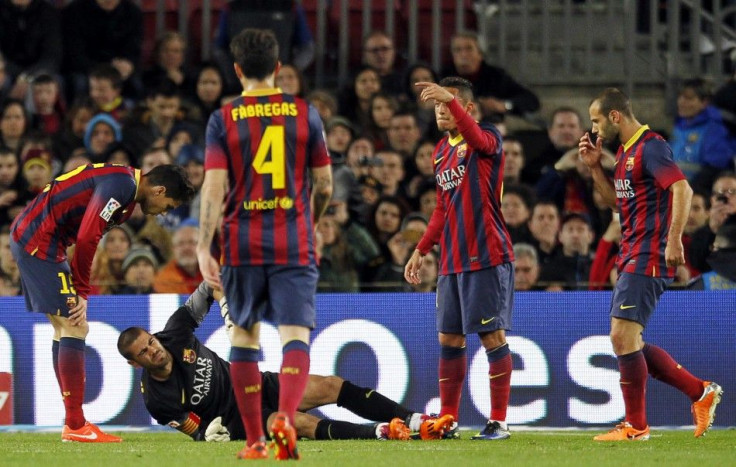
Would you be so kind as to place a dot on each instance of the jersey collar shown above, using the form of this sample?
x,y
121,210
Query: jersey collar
x,y
636,136
262,92
454,141
137,176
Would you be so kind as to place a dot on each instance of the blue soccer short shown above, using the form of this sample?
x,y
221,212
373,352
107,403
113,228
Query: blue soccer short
x,y
47,286
635,296
273,293
476,301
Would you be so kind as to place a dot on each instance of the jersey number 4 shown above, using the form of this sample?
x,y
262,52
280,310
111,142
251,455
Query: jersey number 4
x,y
272,142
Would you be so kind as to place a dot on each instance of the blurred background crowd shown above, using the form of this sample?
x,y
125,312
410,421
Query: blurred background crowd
x,y
95,81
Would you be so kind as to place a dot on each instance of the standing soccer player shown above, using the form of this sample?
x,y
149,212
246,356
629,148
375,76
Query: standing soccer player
x,y
476,282
78,208
264,145
652,197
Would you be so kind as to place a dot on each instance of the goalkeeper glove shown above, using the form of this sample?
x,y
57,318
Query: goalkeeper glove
x,y
216,432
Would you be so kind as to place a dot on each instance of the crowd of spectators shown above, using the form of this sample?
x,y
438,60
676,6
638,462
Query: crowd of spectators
x,y
74,90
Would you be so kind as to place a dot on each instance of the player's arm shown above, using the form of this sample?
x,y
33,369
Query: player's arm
x,y
592,154
211,195
430,238
682,195
192,313
108,197
321,191
486,141
320,166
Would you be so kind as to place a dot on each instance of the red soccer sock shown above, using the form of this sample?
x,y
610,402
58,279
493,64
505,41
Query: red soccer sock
x,y
293,377
452,368
664,368
71,377
246,379
499,374
55,360
633,369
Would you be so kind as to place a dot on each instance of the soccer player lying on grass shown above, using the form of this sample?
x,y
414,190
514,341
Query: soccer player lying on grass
x,y
187,386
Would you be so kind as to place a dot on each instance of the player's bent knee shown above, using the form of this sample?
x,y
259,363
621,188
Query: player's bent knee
x,y
451,340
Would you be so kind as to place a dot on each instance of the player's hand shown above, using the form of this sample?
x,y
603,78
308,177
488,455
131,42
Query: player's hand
x,y
411,270
674,252
209,267
216,432
435,92
78,314
590,153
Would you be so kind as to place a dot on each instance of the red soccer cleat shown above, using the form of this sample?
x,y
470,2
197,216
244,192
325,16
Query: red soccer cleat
x,y
284,438
255,451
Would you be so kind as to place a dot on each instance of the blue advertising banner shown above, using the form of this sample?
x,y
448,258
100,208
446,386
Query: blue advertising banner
x,y
565,373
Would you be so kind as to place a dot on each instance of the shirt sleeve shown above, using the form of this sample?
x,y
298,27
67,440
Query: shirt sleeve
x,y
215,156
483,140
318,155
109,196
658,161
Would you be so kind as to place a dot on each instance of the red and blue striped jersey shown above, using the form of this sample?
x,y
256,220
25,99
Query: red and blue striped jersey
x,y
644,171
78,207
267,141
467,222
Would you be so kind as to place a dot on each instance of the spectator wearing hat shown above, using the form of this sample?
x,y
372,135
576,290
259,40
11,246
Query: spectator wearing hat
x,y
339,132
37,171
139,270
102,131
191,157
569,269
181,274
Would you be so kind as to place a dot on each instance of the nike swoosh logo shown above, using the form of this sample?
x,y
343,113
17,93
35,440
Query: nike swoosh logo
x,y
368,394
614,163
626,307
89,436
496,376
486,321
437,161
444,379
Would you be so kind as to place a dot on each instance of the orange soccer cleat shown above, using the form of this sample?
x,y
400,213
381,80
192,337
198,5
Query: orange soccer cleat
x,y
704,409
395,430
624,432
435,427
284,438
255,451
88,433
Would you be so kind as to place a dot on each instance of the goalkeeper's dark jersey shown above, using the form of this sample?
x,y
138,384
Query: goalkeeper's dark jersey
x,y
199,388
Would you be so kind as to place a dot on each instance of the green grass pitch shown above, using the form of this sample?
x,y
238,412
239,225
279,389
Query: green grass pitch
x,y
569,448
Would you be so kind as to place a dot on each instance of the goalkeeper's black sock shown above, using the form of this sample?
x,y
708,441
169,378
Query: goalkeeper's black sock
x,y
334,429
370,404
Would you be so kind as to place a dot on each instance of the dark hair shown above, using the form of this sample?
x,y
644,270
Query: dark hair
x,y
701,87
703,194
525,193
5,151
614,99
174,179
165,88
256,51
118,146
108,72
565,110
464,87
408,84
43,78
127,338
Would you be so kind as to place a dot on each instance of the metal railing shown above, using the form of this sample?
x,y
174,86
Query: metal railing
x,y
627,42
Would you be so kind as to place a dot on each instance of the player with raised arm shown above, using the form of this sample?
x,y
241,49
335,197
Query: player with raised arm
x,y
652,198
177,368
476,277
78,207
265,145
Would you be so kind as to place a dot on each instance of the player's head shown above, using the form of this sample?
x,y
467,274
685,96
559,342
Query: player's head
x,y
608,111
143,350
462,89
164,188
256,53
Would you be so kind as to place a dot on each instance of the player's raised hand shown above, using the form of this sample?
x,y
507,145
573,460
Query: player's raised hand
x,y
590,153
209,267
411,270
78,314
433,91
